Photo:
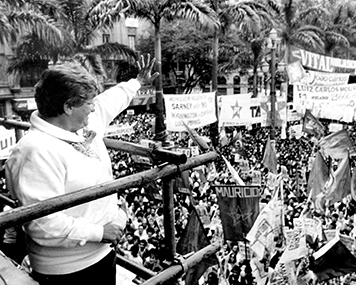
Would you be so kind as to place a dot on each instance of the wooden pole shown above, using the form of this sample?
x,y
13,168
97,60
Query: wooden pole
x,y
156,154
132,266
161,155
14,124
175,271
168,217
24,214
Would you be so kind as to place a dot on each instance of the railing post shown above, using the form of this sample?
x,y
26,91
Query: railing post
x,y
168,217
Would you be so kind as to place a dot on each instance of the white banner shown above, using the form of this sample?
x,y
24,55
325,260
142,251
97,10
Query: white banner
x,y
119,130
328,102
296,244
196,110
239,110
323,78
333,128
321,62
7,142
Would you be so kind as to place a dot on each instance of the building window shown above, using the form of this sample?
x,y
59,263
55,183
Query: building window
x,y
237,85
106,38
2,110
132,39
221,80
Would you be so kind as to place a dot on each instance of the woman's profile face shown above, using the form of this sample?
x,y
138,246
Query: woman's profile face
x,y
79,116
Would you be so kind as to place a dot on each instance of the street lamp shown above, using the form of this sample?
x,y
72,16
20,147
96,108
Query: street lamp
x,y
273,42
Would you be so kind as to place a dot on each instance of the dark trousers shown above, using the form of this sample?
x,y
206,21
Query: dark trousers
x,y
102,272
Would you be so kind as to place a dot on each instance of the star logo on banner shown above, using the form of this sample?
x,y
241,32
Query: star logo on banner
x,y
238,217
236,109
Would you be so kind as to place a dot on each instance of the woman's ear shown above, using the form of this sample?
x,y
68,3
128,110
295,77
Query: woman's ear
x,y
67,109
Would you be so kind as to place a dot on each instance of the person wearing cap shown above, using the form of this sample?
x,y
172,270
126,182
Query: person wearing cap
x,y
64,152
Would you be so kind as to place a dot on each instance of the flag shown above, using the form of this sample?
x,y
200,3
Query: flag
x,y
212,173
341,185
239,208
296,244
319,174
353,184
262,234
311,125
336,145
198,140
333,260
152,191
182,183
193,239
237,143
320,198
236,139
223,137
233,172
270,158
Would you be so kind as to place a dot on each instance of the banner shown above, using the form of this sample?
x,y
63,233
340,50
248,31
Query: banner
x,y
322,63
145,96
324,79
239,208
119,130
196,110
297,244
239,110
266,227
280,108
7,141
328,102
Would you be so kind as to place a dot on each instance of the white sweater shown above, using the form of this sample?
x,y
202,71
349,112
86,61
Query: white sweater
x,y
44,165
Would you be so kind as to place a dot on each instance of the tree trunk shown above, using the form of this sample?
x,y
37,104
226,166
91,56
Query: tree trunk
x,y
160,128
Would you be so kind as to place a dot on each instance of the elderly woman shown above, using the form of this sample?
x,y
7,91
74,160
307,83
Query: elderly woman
x,y
64,152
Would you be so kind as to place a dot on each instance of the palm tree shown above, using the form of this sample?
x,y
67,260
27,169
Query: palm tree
x,y
79,23
157,12
297,25
18,17
339,26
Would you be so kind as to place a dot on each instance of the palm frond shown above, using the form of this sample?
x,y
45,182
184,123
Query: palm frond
x,y
115,50
32,21
194,11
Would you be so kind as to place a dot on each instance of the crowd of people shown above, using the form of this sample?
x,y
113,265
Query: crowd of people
x,y
293,154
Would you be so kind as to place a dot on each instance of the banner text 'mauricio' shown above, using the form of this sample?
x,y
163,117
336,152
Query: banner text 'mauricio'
x,y
233,191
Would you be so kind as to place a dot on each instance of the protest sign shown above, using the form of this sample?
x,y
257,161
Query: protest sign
x,y
322,63
239,208
119,130
327,102
239,110
195,110
323,78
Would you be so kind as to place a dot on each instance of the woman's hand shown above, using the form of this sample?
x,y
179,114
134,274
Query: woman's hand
x,y
144,70
112,234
